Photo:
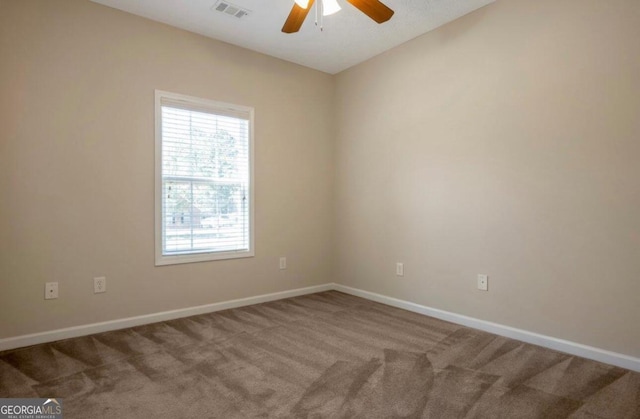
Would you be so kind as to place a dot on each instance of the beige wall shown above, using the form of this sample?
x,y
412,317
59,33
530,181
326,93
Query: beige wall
x,y
505,143
77,87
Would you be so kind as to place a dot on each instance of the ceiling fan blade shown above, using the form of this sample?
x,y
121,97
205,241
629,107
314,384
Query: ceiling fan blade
x,y
296,18
374,9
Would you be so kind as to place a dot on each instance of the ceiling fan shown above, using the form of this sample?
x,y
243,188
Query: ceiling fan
x,y
375,9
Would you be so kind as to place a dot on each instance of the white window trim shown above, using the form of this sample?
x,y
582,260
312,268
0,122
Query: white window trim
x,y
160,259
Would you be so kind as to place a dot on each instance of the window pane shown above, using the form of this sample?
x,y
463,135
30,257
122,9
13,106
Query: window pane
x,y
205,217
197,144
205,182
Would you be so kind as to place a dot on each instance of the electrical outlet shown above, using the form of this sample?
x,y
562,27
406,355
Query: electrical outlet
x,y
483,282
283,262
99,285
50,290
400,269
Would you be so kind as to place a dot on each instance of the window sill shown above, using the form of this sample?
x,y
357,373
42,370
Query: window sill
x,y
163,260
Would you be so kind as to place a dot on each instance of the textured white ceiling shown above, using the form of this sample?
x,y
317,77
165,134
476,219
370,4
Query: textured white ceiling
x,y
349,36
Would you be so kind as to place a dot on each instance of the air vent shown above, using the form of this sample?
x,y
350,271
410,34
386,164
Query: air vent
x,y
230,9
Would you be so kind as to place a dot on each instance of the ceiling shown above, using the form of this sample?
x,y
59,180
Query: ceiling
x,y
349,37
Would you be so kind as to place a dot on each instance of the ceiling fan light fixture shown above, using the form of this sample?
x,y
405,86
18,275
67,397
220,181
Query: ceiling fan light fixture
x,y
330,7
375,9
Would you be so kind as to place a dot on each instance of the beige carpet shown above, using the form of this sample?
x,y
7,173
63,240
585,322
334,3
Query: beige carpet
x,y
326,355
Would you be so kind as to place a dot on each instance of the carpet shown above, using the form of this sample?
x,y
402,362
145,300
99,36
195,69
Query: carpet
x,y
325,355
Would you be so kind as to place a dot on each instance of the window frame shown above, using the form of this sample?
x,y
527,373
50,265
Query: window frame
x,y
212,106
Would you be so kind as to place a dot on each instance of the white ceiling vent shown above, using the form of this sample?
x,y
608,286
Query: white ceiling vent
x,y
227,8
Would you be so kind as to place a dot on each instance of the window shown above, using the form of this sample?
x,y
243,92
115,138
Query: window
x,y
204,167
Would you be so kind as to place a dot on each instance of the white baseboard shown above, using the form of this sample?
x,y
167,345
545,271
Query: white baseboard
x,y
561,345
573,348
89,329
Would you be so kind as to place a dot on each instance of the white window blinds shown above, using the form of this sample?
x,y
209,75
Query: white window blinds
x,y
205,176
